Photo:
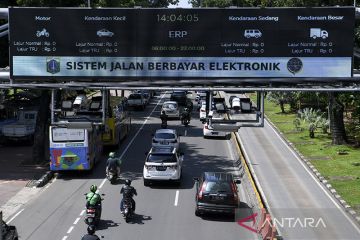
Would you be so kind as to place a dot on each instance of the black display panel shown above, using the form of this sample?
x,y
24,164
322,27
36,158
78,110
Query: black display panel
x,y
183,43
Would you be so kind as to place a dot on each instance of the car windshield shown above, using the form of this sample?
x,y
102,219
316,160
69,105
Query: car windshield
x,y
165,135
170,105
161,158
219,186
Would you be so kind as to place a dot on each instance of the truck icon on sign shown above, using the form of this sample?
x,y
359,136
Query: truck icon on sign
x,y
318,33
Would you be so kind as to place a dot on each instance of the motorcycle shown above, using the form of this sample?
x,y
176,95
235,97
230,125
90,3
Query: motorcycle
x,y
112,175
92,216
42,33
163,123
185,119
127,211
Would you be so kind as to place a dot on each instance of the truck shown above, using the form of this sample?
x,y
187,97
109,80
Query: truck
x,y
23,128
318,33
136,100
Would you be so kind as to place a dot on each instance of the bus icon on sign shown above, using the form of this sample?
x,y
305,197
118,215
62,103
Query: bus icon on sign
x,y
249,33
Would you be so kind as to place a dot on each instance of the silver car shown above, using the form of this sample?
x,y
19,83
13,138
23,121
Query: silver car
x,y
166,137
171,109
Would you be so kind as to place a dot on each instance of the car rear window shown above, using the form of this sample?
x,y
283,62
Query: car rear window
x,y
219,186
170,105
165,135
159,158
135,96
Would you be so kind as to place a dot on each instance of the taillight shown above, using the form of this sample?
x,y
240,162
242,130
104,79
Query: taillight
x,y
173,167
236,197
200,195
91,210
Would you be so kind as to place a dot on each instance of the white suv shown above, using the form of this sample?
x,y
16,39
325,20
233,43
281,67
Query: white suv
x,y
162,164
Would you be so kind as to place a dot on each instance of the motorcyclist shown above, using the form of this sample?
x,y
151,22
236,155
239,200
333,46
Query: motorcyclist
x,y
128,192
163,118
185,115
91,234
113,163
93,199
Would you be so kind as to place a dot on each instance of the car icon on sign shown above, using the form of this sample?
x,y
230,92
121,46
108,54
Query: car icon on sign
x,y
104,33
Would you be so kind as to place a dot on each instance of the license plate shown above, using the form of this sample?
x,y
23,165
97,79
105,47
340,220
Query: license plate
x,y
214,133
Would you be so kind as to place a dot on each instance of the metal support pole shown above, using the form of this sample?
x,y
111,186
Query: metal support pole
x,y
262,108
52,107
104,104
1,226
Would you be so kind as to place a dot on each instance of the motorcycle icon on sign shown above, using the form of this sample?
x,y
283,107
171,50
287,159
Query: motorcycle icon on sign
x,y
43,32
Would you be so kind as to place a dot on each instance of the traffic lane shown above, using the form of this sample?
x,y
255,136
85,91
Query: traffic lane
x,y
272,159
158,213
39,218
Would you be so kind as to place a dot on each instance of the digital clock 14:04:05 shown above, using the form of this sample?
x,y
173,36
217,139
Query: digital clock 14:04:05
x,y
177,17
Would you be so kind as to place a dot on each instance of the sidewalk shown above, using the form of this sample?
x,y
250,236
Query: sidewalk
x,y
14,173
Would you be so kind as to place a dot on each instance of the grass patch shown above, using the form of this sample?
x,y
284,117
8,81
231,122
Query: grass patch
x,y
345,165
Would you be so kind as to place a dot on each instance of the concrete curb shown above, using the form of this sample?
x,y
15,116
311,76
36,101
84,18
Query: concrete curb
x,y
322,180
44,179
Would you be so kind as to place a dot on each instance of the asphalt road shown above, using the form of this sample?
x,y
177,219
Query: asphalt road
x,y
163,211
303,208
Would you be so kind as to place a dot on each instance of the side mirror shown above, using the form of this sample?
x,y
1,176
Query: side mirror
x,y
152,134
237,181
180,135
181,154
146,153
196,179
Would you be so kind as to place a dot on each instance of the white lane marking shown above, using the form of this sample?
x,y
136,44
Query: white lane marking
x,y
142,126
125,150
176,198
17,214
64,238
102,183
70,229
76,221
185,132
317,182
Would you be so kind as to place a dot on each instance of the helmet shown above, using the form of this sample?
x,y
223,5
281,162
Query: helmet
x,y
128,182
91,229
93,188
112,154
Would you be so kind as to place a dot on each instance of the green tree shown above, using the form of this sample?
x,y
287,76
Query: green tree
x,y
281,98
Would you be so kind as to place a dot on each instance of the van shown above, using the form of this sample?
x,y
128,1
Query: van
x,y
249,33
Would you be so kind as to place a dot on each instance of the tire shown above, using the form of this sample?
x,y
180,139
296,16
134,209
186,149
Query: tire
x,y
197,212
146,182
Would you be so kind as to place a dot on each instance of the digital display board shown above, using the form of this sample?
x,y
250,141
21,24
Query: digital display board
x,y
81,43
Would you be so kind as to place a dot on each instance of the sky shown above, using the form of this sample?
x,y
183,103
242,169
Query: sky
x,y
182,4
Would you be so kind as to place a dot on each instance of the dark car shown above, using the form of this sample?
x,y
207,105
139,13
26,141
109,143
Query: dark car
x,y
216,192
180,97
9,232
